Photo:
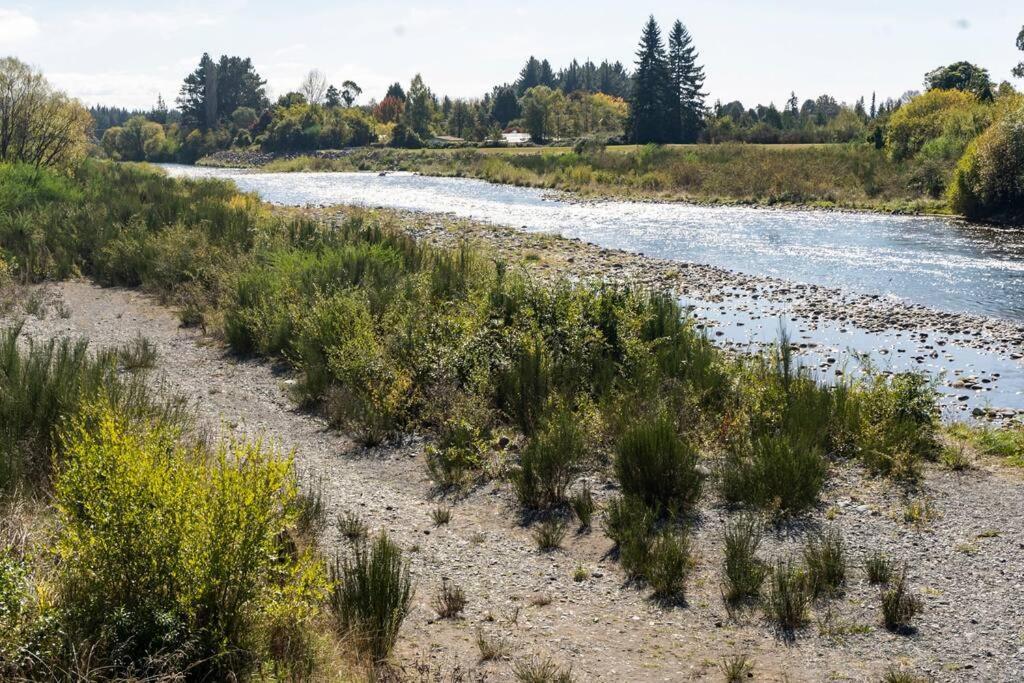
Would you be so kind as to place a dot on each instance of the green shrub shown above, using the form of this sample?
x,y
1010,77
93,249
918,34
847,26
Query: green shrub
x,y
989,178
774,472
551,462
169,550
630,524
878,568
743,571
654,464
523,388
583,506
825,557
899,604
549,534
936,113
788,596
450,600
44,384
371,596
668,566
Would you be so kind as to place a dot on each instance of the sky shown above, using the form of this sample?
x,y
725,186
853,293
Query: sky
x,y
756,51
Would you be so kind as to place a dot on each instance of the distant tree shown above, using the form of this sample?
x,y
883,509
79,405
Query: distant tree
x,y
652,89
529,76
244,117
158,114
419,108
460,120
541,106
504,105
291,99
687,104
38,125
350,92
137,140
332,98
546,75
395,90
960,76
1018,70
314,86
211,93
389,110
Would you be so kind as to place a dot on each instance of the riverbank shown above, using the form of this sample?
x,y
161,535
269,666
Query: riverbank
x,y
722,299
853,177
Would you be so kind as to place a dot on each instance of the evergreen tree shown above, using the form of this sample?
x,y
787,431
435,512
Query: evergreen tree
x,y
546,74
687,105
874,109
332,98
1018,70
529,76
419,108
650,102
213,92
395,90
505,105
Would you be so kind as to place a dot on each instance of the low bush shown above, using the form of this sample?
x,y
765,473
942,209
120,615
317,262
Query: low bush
x,y
774,472
169,551
878,568
549,534
583,506
450,600
825,557
540,670
371,596
551,462
655,465
744,572
788,596
668,566
899,604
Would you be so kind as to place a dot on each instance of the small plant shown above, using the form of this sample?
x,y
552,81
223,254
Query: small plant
x,y
352,526
549,534
550,463
312,516
878,567
899,604
744,572
655,465
895,674
580,574
449,601
825,557
491,648
583,506
138,354
630,523
371,594
540,600
540,670
919,512
736,668
788,596
668,566
441,515
955,458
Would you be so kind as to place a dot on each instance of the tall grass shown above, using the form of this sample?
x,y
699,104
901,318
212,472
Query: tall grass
x,y
654,464
372,595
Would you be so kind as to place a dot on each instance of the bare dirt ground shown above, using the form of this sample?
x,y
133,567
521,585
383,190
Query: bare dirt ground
x,y
966,562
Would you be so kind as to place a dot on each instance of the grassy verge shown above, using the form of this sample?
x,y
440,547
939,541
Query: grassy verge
x,y
825,176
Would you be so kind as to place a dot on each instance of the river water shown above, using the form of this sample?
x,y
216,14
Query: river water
x,y
943,264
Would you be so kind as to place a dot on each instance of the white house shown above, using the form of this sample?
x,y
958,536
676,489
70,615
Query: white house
x,y
515,136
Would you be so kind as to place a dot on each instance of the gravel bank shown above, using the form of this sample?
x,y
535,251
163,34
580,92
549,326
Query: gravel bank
x,y
967,562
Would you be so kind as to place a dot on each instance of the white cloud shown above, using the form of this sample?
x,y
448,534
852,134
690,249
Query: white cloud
x,y
16,27
134,91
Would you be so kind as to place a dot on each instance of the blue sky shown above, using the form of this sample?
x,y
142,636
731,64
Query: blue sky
x,y
125,53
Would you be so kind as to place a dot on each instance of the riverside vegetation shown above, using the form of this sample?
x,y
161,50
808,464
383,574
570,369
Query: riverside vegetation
x,y
387,336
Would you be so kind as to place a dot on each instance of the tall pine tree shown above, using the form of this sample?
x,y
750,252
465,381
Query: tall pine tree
x,y
650,103
687,83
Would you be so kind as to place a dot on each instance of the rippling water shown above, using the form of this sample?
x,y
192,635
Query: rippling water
x,y
941,263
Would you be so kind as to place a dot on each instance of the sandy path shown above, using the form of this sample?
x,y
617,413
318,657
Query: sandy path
x,y
971,580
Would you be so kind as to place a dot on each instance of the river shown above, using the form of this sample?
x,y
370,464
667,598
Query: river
x,y
942,264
